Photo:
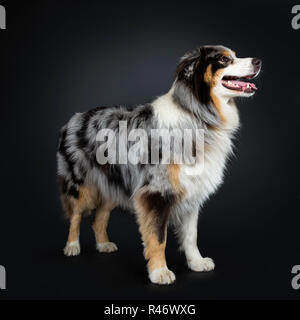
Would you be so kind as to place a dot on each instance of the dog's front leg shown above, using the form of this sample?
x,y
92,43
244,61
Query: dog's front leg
x,y
153,210
187,231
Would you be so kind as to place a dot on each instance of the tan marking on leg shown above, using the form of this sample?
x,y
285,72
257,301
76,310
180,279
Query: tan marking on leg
x,y
88,199
101,221
74,231
154,252
74,208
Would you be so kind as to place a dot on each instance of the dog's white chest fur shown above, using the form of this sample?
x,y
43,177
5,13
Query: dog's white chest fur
x,y
202,179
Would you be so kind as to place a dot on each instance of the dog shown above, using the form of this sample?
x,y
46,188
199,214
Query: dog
x,y
202,95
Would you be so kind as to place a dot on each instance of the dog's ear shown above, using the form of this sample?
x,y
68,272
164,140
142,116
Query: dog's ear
x,y
191,70
188,64
191,91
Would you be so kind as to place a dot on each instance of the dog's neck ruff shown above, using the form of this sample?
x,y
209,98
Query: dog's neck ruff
x,y
179,106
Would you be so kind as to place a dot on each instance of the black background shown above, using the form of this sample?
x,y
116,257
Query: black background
x,y
62,57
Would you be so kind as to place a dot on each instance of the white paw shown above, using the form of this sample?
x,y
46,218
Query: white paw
x,y
107,247
202,265
162,276
72,249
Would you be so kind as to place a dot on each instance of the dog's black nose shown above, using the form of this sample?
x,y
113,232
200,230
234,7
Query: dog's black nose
x,y
257,63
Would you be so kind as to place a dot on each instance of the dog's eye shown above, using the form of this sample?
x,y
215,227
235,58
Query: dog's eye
x,y
224,60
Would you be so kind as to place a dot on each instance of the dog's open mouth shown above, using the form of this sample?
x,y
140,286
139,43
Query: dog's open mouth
x,y
239,84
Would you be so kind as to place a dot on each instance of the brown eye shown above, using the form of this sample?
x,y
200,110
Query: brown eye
x,y
224,60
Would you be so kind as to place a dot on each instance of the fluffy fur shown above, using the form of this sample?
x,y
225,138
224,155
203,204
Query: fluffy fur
x,y
201,97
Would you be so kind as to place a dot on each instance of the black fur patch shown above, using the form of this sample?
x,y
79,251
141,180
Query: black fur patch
x,y
114,176
144,114
82,141
160,207
67,157
73,192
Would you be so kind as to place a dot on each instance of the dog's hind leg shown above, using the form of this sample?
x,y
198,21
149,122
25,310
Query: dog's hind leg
x,y
74,207
72,247
153,211
100,227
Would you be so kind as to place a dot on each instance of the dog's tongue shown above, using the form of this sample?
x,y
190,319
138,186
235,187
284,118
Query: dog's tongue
x,y
240,85
245,85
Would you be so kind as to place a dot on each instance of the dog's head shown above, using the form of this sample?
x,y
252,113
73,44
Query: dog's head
x,y
215,70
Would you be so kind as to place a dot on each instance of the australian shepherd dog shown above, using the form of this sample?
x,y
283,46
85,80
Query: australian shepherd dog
x,y
159,193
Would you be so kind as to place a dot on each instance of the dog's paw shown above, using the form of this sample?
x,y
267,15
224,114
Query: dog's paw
x,y
72,249
107,247
162,276
202,265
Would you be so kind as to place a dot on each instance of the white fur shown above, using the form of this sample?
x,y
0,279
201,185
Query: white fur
x,y
162,276
201,264
204,178
188,239
166,111
72,249
107,247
